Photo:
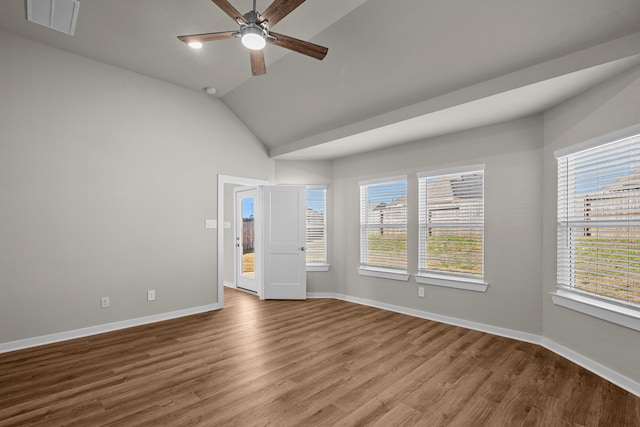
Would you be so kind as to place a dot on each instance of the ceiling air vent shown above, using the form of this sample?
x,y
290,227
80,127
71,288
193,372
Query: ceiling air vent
x,y
59,15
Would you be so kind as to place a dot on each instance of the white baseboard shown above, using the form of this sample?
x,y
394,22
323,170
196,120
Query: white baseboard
x,y
229,285
494,330
314,295
602,371
100,329
608,374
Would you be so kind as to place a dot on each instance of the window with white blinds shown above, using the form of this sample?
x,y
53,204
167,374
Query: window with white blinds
x,y
383,224
599,222
451,219
316,225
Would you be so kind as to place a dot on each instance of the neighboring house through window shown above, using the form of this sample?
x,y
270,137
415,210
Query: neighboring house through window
x,y
598,232
383,228
451,219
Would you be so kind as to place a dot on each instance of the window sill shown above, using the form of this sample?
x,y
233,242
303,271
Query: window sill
x,y
318,267
627,317
384,273
467,284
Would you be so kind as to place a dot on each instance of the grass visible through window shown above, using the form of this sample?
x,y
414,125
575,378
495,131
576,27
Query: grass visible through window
x,y
608,266
455,254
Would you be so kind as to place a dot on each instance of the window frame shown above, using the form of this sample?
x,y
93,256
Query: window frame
x,y
450,279
319,266
590,304
365,269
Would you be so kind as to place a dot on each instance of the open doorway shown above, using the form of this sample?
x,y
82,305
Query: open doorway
x,y
227,222
246,243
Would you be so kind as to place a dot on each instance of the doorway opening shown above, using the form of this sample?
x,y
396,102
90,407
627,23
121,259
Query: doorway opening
x,y
246,242
226,185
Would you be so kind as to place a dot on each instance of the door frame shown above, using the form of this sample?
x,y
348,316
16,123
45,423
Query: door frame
x,y
222,180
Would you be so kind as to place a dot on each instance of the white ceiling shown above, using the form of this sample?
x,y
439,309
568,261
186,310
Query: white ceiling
x,y
396,71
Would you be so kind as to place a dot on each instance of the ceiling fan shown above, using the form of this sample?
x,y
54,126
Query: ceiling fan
x,y
255,32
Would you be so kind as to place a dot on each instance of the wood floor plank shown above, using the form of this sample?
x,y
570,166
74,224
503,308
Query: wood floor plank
x,y
303,363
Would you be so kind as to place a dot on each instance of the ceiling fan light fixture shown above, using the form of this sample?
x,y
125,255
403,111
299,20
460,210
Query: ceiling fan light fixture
x,y
253,37
195,45
255,32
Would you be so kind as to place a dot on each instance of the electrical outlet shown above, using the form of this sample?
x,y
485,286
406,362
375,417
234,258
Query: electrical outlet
x,y
104,302
421,291
151,295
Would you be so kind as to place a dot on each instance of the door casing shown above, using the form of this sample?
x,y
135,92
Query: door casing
x,y
222,180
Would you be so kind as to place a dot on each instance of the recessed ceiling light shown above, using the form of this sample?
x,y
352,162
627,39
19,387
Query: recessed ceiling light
x,y
211,90
195,45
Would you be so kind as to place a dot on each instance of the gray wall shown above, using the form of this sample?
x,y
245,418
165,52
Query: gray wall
x,y
106,178
511,153
609,107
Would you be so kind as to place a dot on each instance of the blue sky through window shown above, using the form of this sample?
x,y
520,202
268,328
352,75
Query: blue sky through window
x,y
386,192
315,199
248,207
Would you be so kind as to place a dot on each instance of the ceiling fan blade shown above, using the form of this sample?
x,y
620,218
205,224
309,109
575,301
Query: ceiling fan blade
x,y
207,37
300,46
278,10
230,10
258,66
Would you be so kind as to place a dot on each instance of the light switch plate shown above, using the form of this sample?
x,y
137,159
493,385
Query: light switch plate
x,y
210,223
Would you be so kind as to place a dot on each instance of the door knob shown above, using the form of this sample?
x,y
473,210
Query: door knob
x,y
302,248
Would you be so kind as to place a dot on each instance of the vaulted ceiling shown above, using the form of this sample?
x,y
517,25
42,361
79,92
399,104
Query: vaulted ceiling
x,y
396,71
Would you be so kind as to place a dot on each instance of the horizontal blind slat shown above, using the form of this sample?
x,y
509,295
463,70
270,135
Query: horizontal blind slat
x,y
383,225
451,218
316,234
599,221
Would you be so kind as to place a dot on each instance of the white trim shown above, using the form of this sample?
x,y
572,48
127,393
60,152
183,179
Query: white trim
x,y
222,180
387,180
230,285
599,140
452,171
602,371
100,329
318,267
469,284
608,374
495,330
316,295
613,313
383,273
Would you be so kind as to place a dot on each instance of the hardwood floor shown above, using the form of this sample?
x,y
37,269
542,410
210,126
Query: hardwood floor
x,y
303,363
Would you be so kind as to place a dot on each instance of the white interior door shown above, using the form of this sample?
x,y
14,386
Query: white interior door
x,y
246,239
284,233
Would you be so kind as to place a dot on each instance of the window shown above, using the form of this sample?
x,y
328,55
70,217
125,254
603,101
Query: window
x,y
383,228
598,257
316,228
451,219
